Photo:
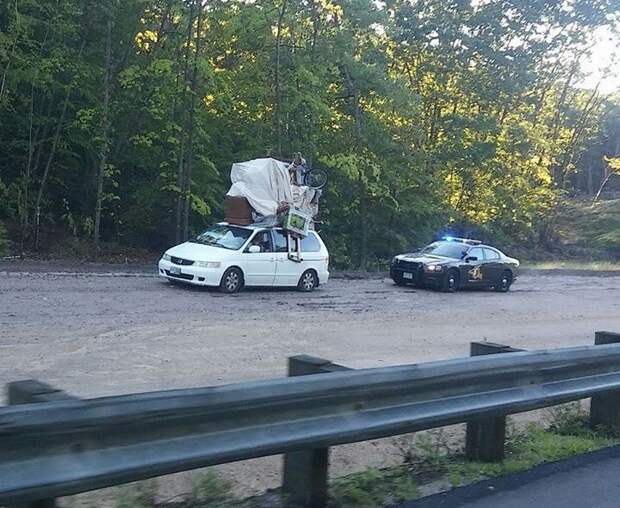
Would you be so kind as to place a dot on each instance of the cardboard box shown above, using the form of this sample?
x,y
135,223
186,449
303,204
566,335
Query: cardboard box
x,y
237,210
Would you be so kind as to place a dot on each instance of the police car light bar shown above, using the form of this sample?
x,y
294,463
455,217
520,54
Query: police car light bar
x,y
462,240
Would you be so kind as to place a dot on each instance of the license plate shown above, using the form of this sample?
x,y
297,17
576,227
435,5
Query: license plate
x,y
175,270
407,275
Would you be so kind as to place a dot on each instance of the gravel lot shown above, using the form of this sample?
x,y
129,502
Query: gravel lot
x,y
102,330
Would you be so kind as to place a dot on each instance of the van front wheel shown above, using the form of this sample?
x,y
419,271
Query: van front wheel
x,y
232,281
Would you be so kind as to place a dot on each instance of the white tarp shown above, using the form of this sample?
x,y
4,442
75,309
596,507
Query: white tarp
x,y
265,183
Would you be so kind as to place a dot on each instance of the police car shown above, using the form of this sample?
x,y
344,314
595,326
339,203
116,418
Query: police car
x,y
455,263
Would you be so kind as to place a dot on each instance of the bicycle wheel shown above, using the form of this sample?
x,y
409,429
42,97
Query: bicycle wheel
x,y
316,178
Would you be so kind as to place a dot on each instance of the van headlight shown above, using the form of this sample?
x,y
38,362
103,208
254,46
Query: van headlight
x,y
208,264
166,257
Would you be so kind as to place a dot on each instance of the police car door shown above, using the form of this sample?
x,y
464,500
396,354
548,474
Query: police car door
x,y
492,264
474,269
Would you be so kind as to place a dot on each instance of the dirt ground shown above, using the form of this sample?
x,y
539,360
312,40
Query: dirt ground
x,y
101,330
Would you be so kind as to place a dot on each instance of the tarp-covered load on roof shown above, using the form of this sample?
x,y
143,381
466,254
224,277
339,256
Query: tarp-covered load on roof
x,y
266,185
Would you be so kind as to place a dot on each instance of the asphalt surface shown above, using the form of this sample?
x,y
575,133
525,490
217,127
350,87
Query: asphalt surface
x,y
115,331
97,330
584,481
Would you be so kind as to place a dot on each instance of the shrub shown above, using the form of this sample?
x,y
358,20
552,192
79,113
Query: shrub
x,y
4,243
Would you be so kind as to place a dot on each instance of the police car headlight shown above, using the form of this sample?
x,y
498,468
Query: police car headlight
x,y
208,264
393,261
433,268
167,257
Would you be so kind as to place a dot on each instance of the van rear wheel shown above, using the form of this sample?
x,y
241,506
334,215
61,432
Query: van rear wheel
x,y
308,281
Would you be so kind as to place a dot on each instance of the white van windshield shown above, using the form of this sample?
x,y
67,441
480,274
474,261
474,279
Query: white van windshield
x,y
225,237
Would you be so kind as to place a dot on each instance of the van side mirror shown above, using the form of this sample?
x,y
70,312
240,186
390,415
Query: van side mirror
x,y
254,249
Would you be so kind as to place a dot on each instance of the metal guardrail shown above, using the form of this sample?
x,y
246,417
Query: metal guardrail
x,y
63,447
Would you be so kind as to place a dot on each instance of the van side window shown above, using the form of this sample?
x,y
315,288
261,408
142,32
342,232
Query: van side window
x,y
263,240
281,240
310,243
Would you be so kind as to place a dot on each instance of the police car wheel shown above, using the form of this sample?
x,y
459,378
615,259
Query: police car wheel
x,y
450,283
504,283
399,281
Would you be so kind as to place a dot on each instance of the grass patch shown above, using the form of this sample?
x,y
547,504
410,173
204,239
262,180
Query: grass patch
x,y
209,488
429,459
373,488
530,448
595,266
589,227
137,495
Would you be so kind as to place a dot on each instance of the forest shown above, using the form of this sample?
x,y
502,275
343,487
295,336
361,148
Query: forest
x,y
119,120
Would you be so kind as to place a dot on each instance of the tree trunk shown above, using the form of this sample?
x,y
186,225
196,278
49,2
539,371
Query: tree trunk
x,y
105,127
11,53
23,211
558,113
278,79
187,184
50,159
359,141
569,153
32,142
46,171
181,168
603,183
315,30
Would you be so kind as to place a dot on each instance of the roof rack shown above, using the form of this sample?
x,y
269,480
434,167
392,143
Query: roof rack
x,y
462,240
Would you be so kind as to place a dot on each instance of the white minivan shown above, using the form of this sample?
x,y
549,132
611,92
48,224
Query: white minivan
x,y
231,257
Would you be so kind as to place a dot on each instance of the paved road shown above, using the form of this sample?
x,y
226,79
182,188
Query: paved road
x,y
97,331
585,481
110,332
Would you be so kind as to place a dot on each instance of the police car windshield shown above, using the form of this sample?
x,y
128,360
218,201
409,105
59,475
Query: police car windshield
x,y
225,237
446,249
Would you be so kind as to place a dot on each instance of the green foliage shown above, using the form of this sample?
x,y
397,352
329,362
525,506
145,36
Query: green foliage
x,y
4,243
614,164
429,456
464,132
568,420
589,227
427,452
567,435
209,489
373,488
137,495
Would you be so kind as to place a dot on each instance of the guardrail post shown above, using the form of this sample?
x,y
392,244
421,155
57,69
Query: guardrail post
x,y
605,407
31,391
485,438
305,471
